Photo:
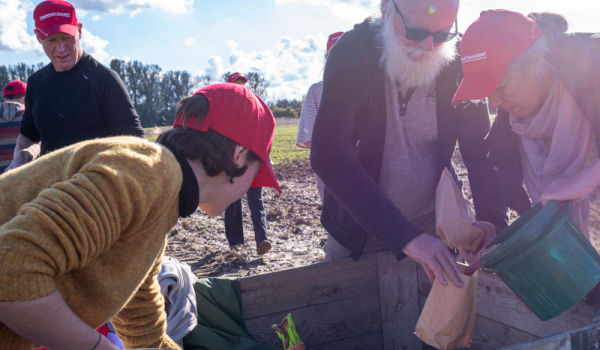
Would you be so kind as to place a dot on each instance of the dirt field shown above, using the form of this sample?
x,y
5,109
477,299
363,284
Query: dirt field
x,y
294,230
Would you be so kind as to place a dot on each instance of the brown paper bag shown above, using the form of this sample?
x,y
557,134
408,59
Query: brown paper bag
x,y
454,217
448,316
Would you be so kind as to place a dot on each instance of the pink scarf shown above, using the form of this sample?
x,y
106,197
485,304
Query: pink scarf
x,y
556,142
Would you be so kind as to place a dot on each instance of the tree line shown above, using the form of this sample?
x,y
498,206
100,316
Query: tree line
x,y
155,93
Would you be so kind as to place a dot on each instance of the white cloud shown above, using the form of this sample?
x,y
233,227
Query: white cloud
x,y
352,10
13,26
214,67
95,46
189,41
96,18
134,6
291,66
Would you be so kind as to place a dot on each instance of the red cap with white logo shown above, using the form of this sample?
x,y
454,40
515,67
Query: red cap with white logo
x,y
235,76
487,48
54,16
333,38
238,114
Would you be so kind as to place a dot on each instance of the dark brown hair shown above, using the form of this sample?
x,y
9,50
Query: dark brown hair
x,y
13,97
210,148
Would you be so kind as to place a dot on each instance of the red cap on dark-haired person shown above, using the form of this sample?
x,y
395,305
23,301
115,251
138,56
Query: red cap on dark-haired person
x,y
54,16
235,76
238,114
487,48
333,38
15,87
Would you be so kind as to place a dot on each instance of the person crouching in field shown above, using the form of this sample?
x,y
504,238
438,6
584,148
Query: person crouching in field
x,y
84,228
545,84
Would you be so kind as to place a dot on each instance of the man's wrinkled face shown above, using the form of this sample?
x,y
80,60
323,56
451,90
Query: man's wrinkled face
x,y
63,50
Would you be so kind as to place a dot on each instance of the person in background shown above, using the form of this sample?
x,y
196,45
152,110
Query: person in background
x,y
11,114
234,217
75,97
546,86
309,111
386,129
83,230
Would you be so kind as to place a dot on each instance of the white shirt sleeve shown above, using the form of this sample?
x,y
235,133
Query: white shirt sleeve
x,y
308,114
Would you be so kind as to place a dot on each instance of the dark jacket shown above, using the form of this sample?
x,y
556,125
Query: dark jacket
x,y
348,140
578,67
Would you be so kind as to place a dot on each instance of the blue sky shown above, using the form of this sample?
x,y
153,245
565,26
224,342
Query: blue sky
x,y
282,39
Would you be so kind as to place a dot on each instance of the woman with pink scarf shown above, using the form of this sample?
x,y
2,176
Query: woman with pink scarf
x,y
546,86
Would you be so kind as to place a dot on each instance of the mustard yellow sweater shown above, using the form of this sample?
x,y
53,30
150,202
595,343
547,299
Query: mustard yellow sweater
x,y
91,221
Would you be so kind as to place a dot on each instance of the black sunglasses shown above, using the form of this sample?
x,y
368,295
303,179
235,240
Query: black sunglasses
x,y
422,34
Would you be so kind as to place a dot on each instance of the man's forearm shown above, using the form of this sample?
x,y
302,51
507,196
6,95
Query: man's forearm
x,y
50,322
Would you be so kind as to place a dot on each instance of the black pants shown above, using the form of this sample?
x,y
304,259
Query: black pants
x,y
234,221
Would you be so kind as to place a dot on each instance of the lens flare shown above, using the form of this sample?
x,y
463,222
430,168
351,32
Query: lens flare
x,y
432,9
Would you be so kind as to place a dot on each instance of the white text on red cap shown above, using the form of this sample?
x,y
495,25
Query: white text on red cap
x,y
475,57
55,14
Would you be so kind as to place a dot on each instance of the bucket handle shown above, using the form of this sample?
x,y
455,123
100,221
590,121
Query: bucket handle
x,y
535,246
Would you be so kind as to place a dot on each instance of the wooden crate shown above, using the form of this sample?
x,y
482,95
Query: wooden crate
x,y
375,303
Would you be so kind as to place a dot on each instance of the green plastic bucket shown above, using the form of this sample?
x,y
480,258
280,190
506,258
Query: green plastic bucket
x,y
530,227
553,272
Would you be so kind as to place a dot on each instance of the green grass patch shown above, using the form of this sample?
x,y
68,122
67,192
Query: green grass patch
x,y
284,147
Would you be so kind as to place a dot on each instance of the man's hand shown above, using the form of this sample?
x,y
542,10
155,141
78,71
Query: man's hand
x,y
436,259
297,347
472,258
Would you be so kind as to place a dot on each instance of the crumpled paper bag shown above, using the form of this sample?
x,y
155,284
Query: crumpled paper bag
x,y
453,216
448,316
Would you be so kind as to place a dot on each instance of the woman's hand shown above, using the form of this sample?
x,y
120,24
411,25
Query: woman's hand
x,y
573,188
472,258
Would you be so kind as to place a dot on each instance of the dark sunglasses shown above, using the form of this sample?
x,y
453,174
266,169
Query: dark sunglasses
x,y
422,34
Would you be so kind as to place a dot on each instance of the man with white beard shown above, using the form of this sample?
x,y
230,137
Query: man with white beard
x,y
385,131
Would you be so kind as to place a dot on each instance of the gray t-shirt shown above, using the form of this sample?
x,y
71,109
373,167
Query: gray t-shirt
x,y
408,172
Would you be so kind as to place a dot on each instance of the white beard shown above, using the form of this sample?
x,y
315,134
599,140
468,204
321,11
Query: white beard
x,y
407,65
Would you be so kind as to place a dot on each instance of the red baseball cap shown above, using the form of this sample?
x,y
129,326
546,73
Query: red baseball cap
x,y
487,48
53,16
18,88
238,114
333,38
235,76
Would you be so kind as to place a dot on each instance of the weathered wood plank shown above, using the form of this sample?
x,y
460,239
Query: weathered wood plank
x,y
325,282
323,323
497,302
489,334
399,290
371,341
580,339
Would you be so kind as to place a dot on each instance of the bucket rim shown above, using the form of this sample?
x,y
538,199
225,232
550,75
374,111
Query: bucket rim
x,y
535,246
515,240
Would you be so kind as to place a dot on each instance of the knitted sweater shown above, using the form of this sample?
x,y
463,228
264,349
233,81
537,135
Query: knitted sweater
x,y
91,221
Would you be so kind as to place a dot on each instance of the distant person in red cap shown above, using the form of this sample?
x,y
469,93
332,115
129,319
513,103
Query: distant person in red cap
x,y
386,129
309,111
234,217
75,97
237,78
11,114
83,229
546,86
